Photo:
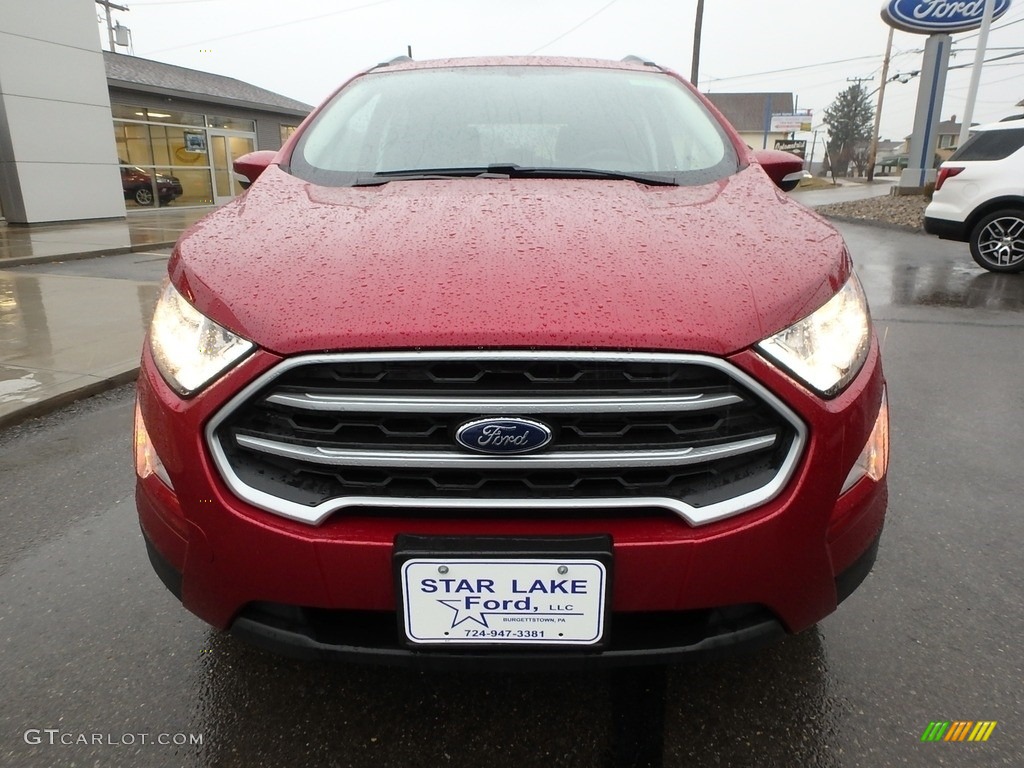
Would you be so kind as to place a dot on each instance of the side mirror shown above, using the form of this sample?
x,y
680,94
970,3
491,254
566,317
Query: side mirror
x,y
253,164
784,168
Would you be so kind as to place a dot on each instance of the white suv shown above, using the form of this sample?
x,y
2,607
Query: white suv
x,y
979,196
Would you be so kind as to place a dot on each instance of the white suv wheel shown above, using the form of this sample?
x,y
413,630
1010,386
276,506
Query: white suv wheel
x,y
997,241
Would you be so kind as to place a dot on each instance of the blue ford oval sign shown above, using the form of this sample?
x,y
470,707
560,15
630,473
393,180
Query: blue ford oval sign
x,y
503,435
931,16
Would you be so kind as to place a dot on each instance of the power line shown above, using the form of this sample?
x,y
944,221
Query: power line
x,y
174,2
274,26
1001,26
991,82
791,69
994,58
568,32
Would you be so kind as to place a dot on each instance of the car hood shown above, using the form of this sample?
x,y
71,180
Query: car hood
x,y
513,263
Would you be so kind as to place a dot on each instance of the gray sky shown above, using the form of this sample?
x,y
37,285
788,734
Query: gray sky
x,y
306,48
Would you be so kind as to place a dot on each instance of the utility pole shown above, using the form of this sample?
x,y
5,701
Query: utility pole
x,y
697,25
110,24
873,152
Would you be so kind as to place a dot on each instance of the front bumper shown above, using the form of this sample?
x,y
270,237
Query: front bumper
x,y
679,591
637,639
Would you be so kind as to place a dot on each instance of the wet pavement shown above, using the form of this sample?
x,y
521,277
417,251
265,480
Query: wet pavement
x,y
68,330
75,299
139,230
95,652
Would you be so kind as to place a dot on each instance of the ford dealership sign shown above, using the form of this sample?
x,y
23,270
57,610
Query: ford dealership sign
x,y
935,16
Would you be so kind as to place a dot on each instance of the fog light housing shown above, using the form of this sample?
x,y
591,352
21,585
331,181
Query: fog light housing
x,y
873,461
146,460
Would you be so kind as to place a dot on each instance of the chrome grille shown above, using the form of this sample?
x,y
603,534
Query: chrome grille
x,y
632,432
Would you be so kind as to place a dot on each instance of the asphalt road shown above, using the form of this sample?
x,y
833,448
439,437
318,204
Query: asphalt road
x,y
95,652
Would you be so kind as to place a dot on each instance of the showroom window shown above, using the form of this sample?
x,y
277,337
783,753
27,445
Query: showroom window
x,y
181,158
231,124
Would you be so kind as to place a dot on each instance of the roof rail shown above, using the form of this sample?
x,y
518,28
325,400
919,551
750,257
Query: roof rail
x,y
396,60
640,60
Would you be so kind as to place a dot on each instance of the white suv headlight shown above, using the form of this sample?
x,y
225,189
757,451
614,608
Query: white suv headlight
x,y
826,349
189,348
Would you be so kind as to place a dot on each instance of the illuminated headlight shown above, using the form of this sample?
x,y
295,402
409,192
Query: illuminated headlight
x,y
189,348
826,349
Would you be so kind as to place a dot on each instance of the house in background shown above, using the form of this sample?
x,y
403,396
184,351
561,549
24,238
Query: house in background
x,y
751,113
890,157
948,134
947,140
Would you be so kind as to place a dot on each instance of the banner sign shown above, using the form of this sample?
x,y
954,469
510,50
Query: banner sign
x,y
927,17
790,123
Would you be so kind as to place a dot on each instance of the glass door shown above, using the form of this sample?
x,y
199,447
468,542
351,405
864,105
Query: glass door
x,y
225,148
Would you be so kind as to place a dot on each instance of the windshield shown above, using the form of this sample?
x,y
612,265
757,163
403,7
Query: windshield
x,y
516,117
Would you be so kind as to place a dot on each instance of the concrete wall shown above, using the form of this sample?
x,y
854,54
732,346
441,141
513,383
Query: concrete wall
x,y
57,156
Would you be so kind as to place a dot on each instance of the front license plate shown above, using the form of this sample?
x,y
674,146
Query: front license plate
x,y
520,601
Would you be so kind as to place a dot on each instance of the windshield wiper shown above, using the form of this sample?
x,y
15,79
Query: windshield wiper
x,y
513,171
539,172
424,174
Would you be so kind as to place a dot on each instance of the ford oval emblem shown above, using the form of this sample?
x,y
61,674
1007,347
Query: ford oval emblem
x,y
931,16
503,436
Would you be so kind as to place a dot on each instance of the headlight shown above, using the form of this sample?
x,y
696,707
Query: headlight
x,y
826,349
189,348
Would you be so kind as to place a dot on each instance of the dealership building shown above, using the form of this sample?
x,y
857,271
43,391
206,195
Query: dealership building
x,y
114,132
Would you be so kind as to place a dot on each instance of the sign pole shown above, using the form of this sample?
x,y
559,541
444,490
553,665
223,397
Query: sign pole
x,y
920,169
938,19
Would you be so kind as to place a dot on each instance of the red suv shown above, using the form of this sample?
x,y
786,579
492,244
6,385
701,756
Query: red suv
x,y
138,186
512,361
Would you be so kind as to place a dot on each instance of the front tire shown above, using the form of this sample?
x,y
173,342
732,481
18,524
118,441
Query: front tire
x,y
997,241
144,196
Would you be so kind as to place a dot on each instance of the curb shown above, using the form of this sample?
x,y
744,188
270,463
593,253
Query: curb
x,y
62,399
21,261
919,230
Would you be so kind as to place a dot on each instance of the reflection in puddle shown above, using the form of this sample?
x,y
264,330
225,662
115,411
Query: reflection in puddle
x,y
17,390
767,708
993,291
902,278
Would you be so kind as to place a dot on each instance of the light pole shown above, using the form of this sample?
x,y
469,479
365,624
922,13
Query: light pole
x,y
979,59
